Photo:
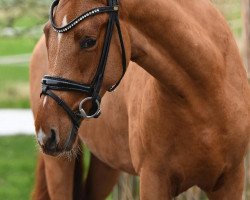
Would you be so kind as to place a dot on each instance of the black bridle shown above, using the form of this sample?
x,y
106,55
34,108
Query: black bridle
x,y
92,90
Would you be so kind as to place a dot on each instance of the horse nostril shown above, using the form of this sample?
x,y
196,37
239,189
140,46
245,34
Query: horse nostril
x,y
51,141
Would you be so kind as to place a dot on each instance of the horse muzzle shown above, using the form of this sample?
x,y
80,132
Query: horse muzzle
x,y
50,143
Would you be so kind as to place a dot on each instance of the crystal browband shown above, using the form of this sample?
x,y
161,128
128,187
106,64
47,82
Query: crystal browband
x,y
75,21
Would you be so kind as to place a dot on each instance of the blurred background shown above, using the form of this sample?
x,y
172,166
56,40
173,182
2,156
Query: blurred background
x,y
21,23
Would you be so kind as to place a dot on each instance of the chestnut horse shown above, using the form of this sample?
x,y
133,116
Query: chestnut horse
x,y
179,120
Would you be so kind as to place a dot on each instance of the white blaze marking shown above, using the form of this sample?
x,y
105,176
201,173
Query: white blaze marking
x,y
44,101
41,136
64,22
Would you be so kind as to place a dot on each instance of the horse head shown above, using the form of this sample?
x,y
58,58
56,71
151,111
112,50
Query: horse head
x,y
86,45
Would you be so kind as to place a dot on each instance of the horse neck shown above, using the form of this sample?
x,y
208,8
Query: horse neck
x,y
176,44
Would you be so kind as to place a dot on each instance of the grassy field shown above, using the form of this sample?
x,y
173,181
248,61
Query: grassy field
x,y
14,86
16,45
14,79
17,161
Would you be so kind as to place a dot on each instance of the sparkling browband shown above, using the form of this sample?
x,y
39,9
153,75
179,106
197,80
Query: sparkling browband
x,y
74,22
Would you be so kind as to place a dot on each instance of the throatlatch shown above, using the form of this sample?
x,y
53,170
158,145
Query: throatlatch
x,y
92,90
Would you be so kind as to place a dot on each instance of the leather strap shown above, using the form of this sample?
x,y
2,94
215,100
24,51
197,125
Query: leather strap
x,y
124,62
97,82
57,83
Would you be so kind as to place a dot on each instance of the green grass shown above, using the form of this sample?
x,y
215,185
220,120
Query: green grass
x,y
14,81
27,22
14,86
17,161
16,45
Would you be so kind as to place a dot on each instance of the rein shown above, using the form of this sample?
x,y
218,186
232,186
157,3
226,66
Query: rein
x,y
92,90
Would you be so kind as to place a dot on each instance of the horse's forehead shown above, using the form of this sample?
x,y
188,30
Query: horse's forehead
x,y
69,7
76,4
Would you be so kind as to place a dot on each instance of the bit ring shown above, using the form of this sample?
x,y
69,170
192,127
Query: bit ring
x,y
84,115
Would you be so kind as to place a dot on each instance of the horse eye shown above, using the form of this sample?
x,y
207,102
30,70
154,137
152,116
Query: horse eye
x,y
87,43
